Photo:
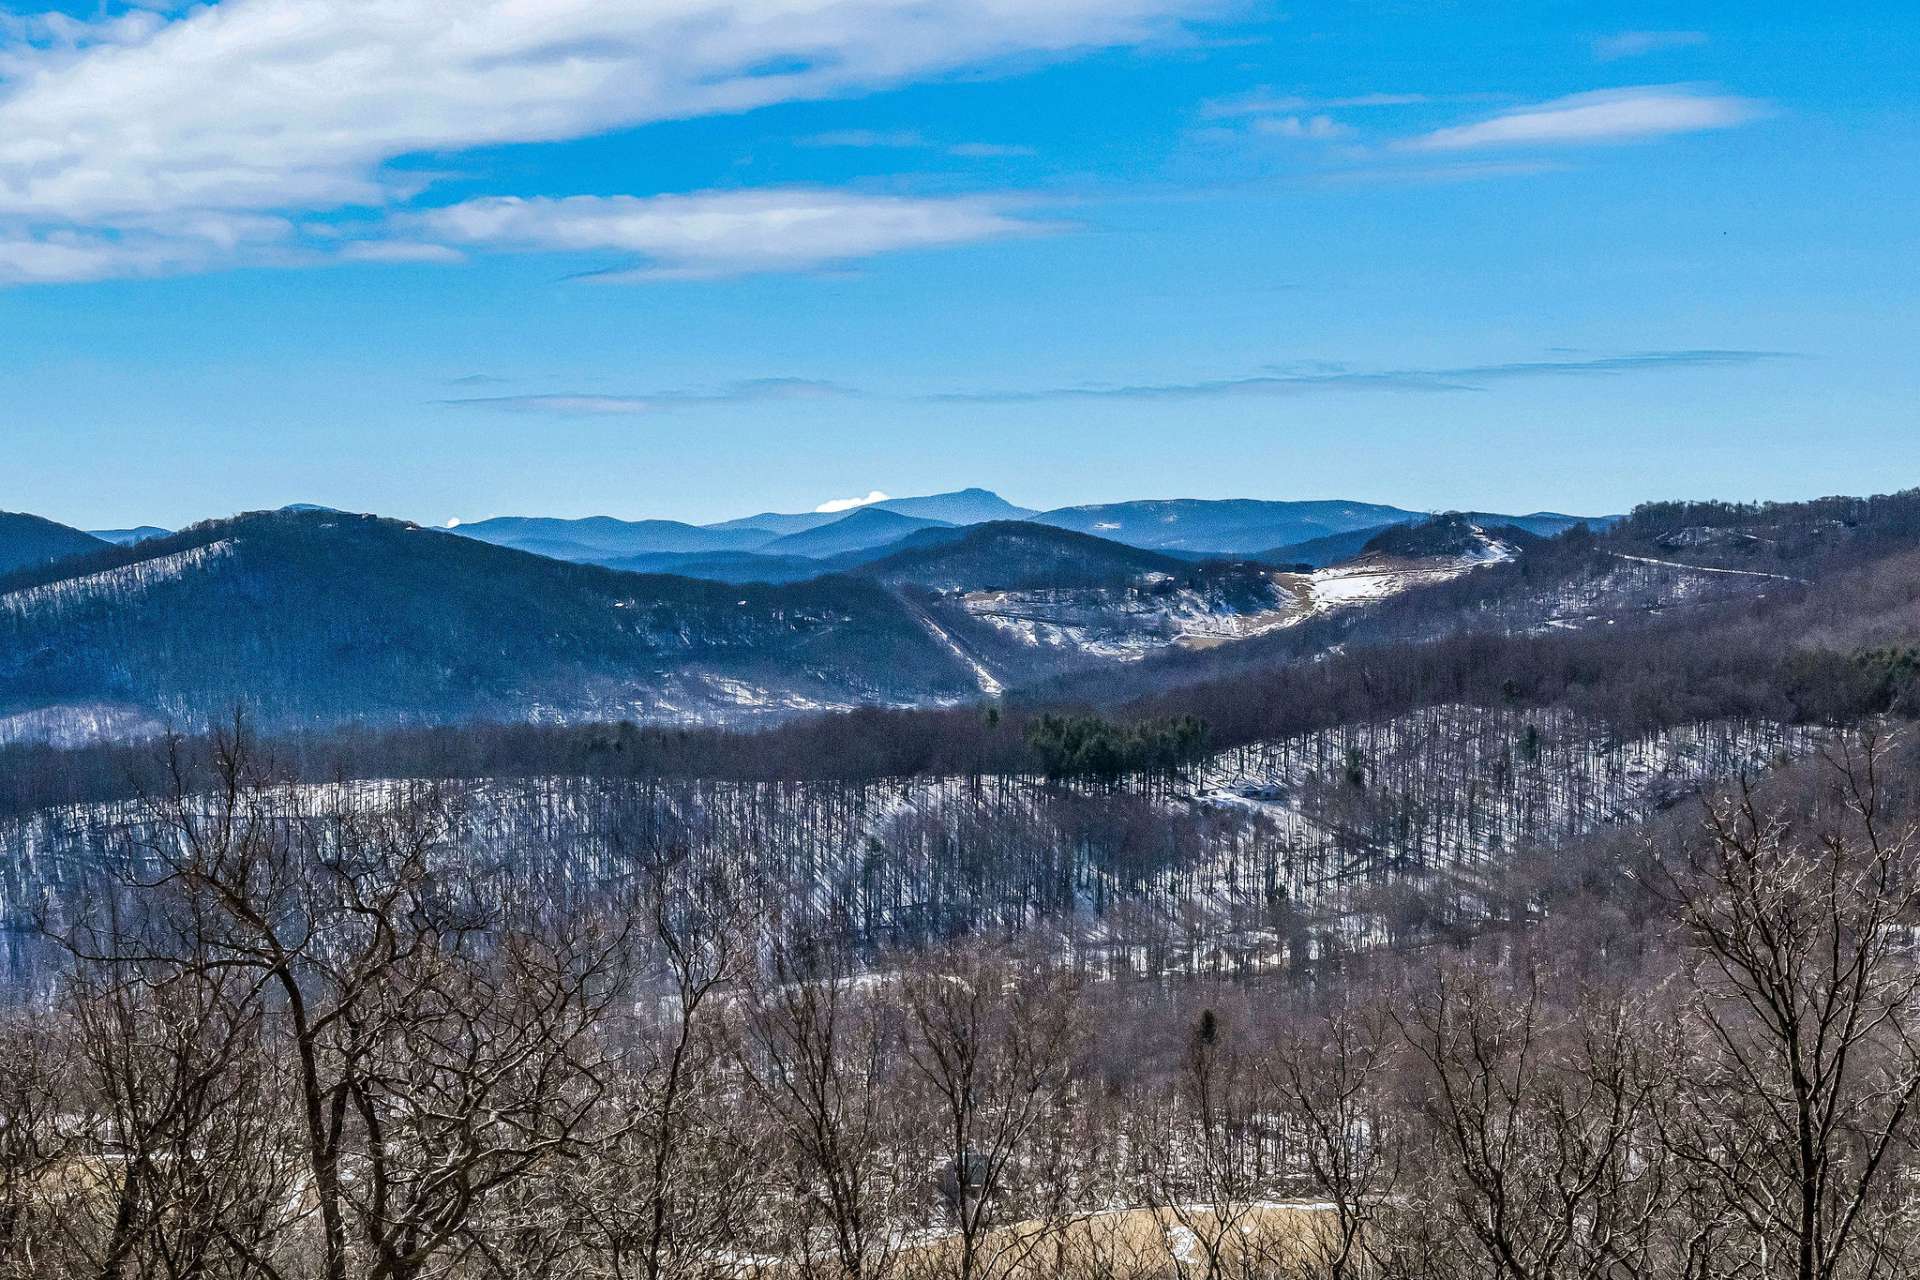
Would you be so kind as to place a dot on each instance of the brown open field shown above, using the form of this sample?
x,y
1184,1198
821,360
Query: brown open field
x,y
1131,1244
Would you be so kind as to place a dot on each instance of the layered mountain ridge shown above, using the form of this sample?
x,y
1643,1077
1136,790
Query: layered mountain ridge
x,y
315,617
763,547
312,618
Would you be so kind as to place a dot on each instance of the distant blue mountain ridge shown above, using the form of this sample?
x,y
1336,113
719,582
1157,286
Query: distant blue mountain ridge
x,y
778,543
795,546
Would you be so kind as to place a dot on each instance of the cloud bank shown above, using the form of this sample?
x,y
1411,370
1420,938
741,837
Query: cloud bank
x,y
146,143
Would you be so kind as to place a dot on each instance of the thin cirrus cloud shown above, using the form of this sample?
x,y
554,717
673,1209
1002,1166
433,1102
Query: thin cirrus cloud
x,y
1605,116
1322,379
990,150
1450,172
1265,102
909,140
595,405
708,235
1264,113
1637,44
399,251
116,159
1300,379
865,140
1320,127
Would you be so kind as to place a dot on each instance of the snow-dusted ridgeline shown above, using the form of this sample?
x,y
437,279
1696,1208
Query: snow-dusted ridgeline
x,y
114,584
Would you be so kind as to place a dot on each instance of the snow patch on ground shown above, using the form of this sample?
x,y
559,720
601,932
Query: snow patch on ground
x,y
982,676
78,724
1128,624
1369,580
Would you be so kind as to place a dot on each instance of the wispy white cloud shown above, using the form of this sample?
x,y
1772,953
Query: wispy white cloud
x,y
26,37
1318,128
909,140
1430,175
1635,44
70,256
989,150
565,403
1264,102
1292,379
865,139
1264,113
1606,116
399,251
726,233
599,405
134,120
141,247
848,504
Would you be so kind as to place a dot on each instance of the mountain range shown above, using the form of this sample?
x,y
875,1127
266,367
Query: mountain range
x,y
311,617
774,546
780,543
315,617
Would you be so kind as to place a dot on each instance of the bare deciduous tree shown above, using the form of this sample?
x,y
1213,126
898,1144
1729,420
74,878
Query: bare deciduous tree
x,y
1536,1110
439,1045
1209,1151
1805,1061
993,1041
822,1059
671,1189
1333,1079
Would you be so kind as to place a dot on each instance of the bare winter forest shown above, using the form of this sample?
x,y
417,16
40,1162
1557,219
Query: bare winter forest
x,y
296,1031
1553,919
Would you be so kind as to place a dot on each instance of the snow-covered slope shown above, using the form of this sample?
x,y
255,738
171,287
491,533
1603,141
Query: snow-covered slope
x,y
1265,855
1019,632
116,586
1377,576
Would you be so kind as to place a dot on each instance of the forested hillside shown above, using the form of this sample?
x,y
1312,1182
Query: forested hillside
x,y
317,618
1270,855
308,618
1165,976
29,541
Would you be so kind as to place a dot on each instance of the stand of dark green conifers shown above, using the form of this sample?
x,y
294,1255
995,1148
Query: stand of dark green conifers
x,y
1091,746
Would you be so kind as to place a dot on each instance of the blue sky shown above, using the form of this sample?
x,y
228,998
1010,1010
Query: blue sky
x,y
697,258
